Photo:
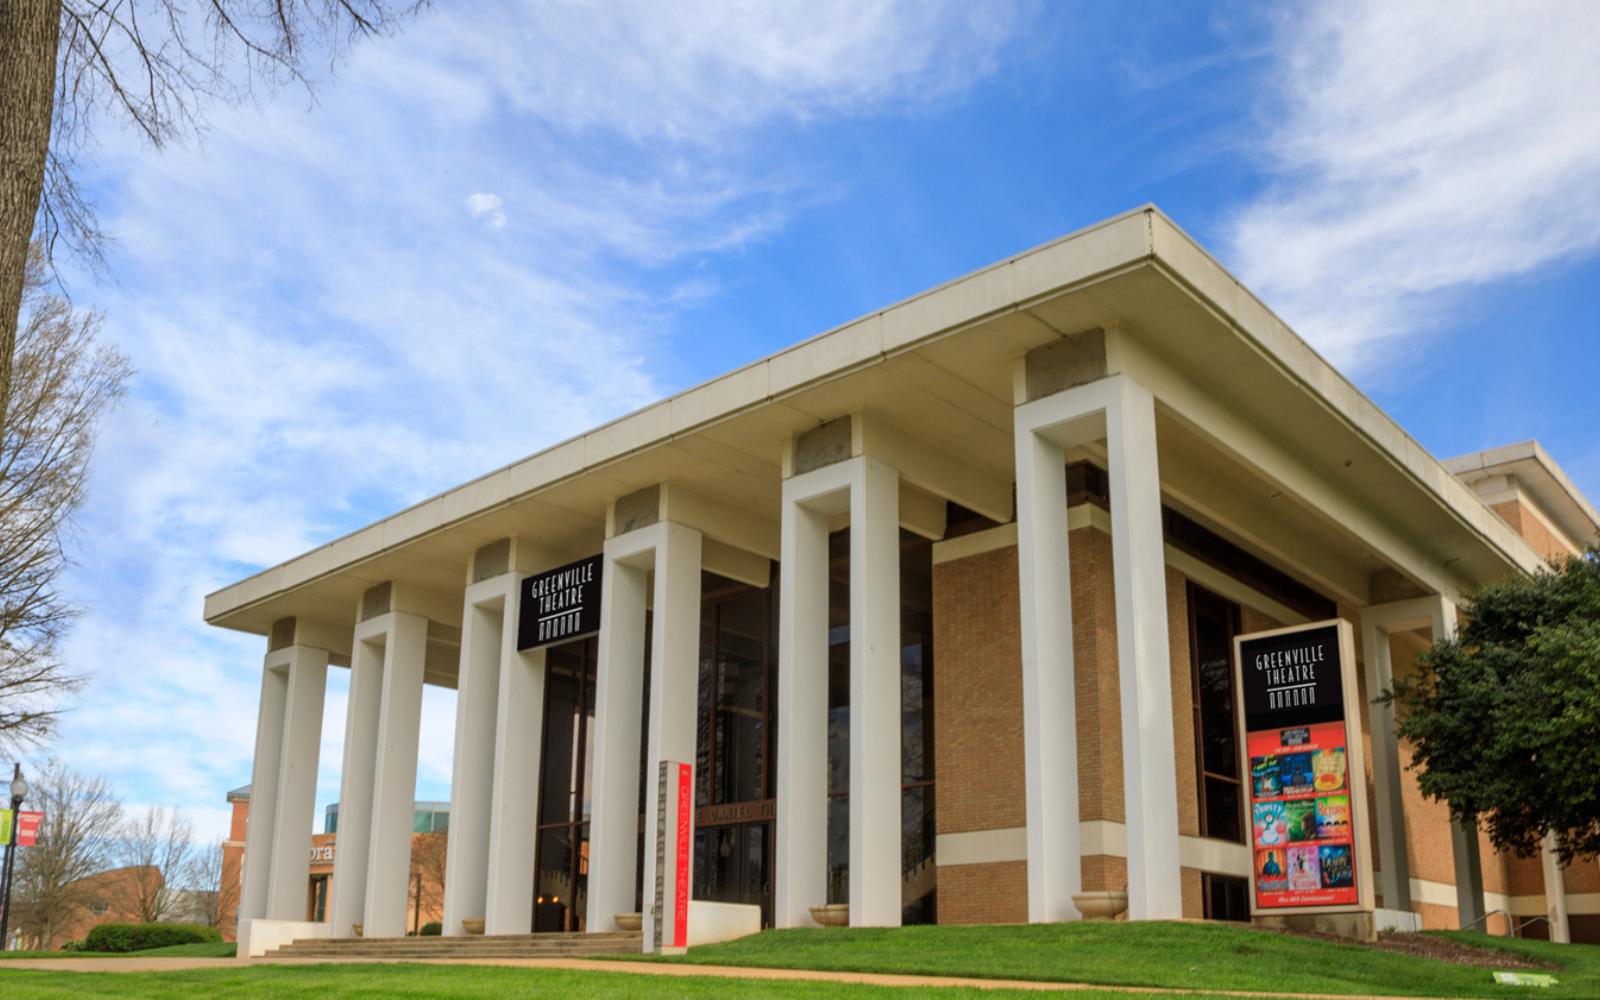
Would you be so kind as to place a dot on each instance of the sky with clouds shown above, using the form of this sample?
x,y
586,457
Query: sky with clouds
x,y
516,220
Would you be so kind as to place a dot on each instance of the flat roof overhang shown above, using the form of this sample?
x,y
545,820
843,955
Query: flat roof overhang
x,y
1259,436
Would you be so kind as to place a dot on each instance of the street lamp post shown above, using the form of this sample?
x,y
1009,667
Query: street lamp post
x,y
19,791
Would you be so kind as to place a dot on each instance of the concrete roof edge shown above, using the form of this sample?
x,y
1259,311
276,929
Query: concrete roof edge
x,y
1463,503
578,440
1490,460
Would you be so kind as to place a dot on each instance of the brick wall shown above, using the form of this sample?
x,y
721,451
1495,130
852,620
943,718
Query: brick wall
x,y
977,695
984,894
1532,529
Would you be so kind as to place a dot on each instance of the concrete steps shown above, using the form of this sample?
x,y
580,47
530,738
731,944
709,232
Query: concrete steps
x,y
467,947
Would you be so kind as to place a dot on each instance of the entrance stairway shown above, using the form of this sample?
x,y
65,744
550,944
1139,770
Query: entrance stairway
x,y
499,946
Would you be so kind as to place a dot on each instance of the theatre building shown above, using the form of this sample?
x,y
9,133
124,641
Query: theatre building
x,y
930,616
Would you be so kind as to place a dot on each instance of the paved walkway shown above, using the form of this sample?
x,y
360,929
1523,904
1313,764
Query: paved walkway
x,y
656,969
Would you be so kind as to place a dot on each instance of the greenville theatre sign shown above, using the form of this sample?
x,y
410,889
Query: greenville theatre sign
x,y
561,604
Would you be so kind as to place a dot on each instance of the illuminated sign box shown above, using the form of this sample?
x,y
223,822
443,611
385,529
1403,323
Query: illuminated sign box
x,y
1303,770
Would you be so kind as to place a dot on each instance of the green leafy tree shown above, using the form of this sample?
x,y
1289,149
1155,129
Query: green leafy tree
x,y
1505,717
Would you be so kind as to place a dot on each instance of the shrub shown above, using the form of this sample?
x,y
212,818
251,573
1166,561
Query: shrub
x,y
431,929
142,937
72,946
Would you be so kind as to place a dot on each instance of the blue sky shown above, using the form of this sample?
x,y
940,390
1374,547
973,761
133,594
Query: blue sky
x,y
515,221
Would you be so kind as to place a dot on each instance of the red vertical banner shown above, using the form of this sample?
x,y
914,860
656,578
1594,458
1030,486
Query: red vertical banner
x,y
28,828
680,890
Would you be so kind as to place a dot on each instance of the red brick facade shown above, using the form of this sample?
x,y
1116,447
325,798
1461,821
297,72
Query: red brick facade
x,y
978,705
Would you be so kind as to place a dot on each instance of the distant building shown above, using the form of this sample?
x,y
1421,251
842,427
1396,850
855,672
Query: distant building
x,y
107,897
424,895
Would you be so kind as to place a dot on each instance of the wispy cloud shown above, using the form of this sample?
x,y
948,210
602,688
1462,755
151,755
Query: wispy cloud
x,y
1418,150
487,208
469,249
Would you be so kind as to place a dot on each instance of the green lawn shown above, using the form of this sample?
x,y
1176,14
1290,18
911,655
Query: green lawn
x,y
320,982
1175,955
205,949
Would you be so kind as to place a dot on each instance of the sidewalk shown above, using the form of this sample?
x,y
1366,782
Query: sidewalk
x,y
662,969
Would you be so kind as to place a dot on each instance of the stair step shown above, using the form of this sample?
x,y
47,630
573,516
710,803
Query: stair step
x,y
555,945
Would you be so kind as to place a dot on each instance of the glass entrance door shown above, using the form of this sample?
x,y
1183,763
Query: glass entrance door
x,y
561,859
733,864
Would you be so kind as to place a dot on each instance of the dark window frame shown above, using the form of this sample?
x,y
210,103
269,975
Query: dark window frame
x,y
1202,775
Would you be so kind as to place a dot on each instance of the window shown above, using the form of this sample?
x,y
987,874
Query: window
x,y
918,875
1226,897
734,772
1213,623
562,866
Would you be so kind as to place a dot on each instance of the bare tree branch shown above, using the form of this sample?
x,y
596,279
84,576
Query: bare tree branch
x,y
63,383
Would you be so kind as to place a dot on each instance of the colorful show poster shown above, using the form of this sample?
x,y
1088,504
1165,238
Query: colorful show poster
x,y
1300,807
1270,828
1272,869
1264,777
1333,817
1295,773
1305,870
1301,817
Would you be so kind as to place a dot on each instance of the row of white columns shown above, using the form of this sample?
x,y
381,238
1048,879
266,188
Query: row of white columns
x,y
1436,614
657,568
376,785
489,859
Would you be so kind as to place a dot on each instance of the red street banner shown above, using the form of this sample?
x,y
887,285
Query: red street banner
x,y
1298,711
28,828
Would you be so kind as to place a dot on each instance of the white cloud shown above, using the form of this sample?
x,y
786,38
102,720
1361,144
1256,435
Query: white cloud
x,y
1420,149
698,70
488,208
320,341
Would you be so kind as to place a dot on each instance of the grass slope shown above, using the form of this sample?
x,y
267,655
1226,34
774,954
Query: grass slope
x,y
321,982
1173,955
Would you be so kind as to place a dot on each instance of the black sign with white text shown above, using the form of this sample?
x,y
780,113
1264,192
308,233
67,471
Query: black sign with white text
x,y
560,604
1292,679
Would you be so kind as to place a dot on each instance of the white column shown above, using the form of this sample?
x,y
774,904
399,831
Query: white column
x,y
472,773
305,670
869,491
394,776
674,683
1378,623
1394,881
1470,907
513,818
1555,892
665,555
348,893
619,702
1049,702
1144,658
1122,411
875,723
801,855
256,876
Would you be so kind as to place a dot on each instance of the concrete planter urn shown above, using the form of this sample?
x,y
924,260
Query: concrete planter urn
x,y
629,921
1100,905
357,928
472,925
832,915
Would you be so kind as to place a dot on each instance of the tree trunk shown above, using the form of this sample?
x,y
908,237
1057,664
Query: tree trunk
x,y
29,30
